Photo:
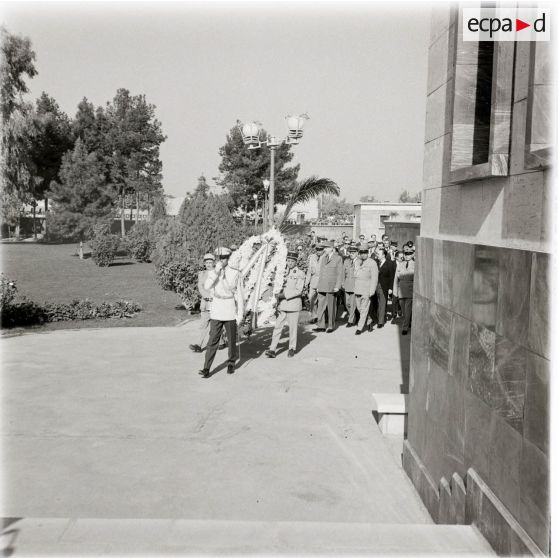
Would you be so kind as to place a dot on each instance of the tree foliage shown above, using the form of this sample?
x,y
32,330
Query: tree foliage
x,y
368,199
243,170
405,197
82,198
332,206
17,62
51,139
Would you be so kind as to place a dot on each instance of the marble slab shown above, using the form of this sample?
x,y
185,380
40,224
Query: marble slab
x,y
454,426
459,348
458,499
538,337
506,393
420,340
425,247
514,291
440,331
504,461
536,422
486,269
434,449
478,425
461,262
481,361
534,487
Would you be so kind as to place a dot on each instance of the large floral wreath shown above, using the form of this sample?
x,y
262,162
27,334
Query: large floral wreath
x,y
263,274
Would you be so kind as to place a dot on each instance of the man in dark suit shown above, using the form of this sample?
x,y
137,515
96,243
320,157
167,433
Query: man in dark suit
x,y
386,274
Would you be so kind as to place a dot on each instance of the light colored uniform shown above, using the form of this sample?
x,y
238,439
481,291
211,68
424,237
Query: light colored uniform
x,y
349,287
205,306
366,281
226,290
403,286
227,308
289,308
312,277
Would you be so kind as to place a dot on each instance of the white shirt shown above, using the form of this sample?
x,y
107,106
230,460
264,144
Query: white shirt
x,y
226,290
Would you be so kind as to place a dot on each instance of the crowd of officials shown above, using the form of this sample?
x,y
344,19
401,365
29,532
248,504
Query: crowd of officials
x,y
366,281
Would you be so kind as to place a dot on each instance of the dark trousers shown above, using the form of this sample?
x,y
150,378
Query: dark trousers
x,y
215,329
327,301
395,307
382,303
407,308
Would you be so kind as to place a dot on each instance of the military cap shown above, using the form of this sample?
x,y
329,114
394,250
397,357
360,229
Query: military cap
x,y
327,243
222,251
292,255
209,257
362,250
393,243
234,247
353,248
407,250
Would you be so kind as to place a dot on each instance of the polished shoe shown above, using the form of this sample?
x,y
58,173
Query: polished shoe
x,y
313,321
358,331
371,327
230,369
319,329
223,346
204,373
329,330
196,348
350,325
404,332
290,353
380,325
269,353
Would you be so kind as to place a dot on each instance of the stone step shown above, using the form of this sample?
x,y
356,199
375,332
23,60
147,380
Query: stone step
x,y
102,537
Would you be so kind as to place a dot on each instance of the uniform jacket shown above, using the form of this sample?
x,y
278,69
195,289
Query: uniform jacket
x,y
313,270
386,275
349,275
225,287
205,305
294,285
330,273
366,277
404,278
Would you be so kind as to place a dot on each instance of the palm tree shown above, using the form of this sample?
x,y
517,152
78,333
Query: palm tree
x,y
305,191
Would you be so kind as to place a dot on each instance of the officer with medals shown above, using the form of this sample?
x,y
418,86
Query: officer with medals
x,y
289,306
227,309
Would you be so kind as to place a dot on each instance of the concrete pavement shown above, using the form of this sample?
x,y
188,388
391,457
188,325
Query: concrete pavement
x,y
117,423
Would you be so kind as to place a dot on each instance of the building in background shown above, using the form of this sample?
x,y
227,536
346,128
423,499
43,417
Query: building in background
x,y
301,212
371,217
478,432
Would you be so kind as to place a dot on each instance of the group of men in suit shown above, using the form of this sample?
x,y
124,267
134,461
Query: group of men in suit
x,y
360,277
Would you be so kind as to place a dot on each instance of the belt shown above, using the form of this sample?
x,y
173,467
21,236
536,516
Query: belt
x,y
223,297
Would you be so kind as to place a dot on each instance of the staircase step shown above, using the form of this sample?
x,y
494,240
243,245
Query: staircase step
x,y
102,537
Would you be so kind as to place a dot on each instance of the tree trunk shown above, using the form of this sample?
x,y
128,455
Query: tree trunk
x,y
244,216
137,207
46,210
81,249
18,227
122,217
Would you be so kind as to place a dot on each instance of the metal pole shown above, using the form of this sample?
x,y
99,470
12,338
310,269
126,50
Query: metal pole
x,y
272,186
256,218
264,213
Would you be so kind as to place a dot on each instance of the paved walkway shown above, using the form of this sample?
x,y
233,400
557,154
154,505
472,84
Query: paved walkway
x,y
116,423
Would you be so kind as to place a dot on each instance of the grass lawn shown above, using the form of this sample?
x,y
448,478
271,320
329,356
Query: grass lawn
x,y
53,272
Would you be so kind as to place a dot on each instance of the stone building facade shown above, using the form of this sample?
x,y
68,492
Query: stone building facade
x,y
371,217
478,426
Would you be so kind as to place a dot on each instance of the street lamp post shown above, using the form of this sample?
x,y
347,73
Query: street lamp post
x,y
255,196
251,137
266,189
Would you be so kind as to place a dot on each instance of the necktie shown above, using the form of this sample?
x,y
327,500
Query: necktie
x,y
407,265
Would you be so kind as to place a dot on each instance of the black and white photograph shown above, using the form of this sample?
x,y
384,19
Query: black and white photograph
x,y
276,278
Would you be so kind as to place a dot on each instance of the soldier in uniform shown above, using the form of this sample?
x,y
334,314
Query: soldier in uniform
x,y
227,309
366,281
403,287
312,282
205,304
386,273
289,306
349,284
329,282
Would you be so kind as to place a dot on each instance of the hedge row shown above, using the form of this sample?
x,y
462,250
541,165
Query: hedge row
x,y
26,312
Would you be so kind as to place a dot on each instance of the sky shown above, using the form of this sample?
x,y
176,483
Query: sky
x,y
357,69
